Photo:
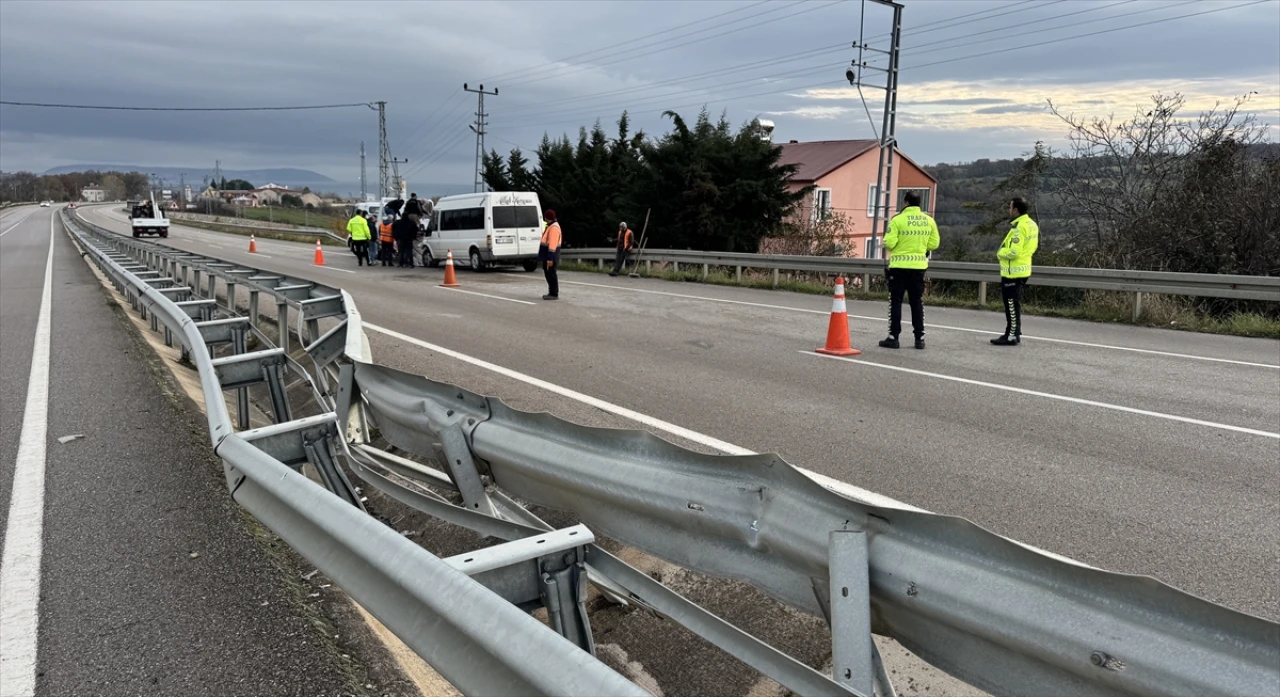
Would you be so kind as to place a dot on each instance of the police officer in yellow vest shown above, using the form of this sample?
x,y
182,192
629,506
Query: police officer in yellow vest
x,y
1015,268
912,234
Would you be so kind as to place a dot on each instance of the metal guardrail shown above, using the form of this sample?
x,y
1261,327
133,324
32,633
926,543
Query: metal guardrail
x,y
1193,284
302,233
475,638
981,607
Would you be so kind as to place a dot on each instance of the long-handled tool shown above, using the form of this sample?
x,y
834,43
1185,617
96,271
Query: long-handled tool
x,y
644,240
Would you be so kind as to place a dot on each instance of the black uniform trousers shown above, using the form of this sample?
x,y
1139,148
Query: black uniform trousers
x,y
910,282
1011,293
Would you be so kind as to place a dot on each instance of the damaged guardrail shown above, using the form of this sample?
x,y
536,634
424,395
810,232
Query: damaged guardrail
x,y
476,639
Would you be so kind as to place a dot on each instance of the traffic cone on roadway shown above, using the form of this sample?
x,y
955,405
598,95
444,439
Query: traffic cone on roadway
x,y
838,327
319,253
450,280
253,245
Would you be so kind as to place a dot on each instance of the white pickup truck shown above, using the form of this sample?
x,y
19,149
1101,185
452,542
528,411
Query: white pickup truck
x,y
146,220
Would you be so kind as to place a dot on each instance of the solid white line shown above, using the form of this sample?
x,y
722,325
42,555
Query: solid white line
x,y
332,268
486,295
24,535
839,487
1153,352
1050,395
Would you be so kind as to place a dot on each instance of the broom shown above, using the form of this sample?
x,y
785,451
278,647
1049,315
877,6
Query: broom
x,y
644,239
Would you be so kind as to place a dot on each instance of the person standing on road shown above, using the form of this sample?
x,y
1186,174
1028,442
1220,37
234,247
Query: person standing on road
x,y
625,245
387,243
358,229
1015,268
912,234
549,253
404,231
372,220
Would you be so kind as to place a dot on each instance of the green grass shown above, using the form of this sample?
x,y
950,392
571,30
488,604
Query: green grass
x,y
1094,307
264,234
289,216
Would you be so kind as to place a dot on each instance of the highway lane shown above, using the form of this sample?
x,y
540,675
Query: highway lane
x,y
150,579
1194,504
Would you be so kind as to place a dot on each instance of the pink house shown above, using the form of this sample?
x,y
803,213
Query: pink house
x,y
844,174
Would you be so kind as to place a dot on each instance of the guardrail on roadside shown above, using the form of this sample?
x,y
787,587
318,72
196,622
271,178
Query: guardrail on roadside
x,y
1138,282
302,233
981,607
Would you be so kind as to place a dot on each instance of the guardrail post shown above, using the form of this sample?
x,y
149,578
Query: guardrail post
x,y
982,293
1137,306
775,278
239,346
253,306
706,271
737,274
282,323
213,286
675,266
866,283
231,296
600,264
648,266
851,643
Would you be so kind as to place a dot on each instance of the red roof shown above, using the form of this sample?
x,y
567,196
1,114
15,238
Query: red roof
x,y
822,157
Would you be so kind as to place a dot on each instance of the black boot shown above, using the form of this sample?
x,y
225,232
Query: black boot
x,y
920,342
1004,340
889,342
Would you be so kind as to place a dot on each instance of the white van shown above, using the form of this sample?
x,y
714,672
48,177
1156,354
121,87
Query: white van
x,y
488,229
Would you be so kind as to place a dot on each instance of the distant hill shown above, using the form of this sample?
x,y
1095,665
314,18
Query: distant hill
x,y
286,175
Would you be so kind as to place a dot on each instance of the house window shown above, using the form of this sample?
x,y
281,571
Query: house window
x,y
821,204
870,248
924,192
873,200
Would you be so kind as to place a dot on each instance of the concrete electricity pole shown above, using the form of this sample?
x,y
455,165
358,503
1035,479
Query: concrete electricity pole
x,y
478,127
888,141
364,186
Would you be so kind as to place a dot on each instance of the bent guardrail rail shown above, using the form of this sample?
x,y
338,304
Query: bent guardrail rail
x,y
983,608
476,639
1162,282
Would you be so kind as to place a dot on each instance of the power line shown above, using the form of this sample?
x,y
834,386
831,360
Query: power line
x,y
613,47
631,57
156,108
1092,33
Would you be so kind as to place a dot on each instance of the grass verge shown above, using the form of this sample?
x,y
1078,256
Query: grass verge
x,y
1095,306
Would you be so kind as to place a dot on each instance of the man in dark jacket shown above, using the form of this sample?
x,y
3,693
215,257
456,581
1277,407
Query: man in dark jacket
x,y
393,207
413,209
404,231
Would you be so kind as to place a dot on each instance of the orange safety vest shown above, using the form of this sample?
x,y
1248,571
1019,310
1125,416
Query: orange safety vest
x,y
384,233
624,240
551,237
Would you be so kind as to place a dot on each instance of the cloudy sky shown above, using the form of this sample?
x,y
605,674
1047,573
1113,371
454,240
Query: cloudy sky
x,y
975,73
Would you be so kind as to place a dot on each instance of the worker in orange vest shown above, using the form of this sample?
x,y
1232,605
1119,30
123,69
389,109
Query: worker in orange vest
x,y
386,248
625,244
549,253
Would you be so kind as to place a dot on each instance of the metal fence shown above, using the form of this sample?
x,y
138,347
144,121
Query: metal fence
x,y
984,608
1138,282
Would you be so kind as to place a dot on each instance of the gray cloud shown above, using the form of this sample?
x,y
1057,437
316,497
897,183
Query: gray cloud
x,y
417,55
1012,109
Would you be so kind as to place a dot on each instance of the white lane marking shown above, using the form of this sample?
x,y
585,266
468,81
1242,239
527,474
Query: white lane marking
x,y
332,268
839,487
24,535
1050,395
1111,347
486,295
11,227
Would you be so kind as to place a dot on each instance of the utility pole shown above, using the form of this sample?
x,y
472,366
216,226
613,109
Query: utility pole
x,y
217,174
888,140
396,182
478,127
364,186
384,150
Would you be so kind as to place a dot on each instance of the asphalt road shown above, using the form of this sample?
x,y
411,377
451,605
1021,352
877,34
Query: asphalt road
x,y
152,581
1134,449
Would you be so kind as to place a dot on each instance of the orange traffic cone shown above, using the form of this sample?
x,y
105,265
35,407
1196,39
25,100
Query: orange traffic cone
x,y
450,280
253,245
838,328
319,254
